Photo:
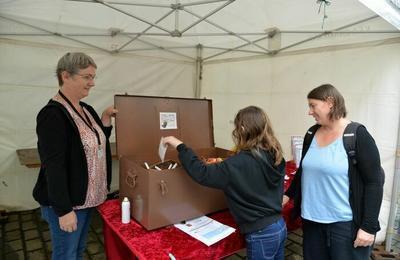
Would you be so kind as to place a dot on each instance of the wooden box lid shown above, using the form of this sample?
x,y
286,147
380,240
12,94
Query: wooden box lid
x,y
141,121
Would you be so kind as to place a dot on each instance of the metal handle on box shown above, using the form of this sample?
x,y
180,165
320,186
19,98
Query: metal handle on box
x,y
163,187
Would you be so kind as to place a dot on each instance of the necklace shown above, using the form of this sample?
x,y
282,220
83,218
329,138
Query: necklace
x,y
87,122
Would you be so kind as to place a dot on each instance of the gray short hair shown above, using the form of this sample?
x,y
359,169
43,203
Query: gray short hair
x,y
72,62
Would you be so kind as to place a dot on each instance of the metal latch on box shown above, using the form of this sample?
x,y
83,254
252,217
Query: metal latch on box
x,y
131,179
163,187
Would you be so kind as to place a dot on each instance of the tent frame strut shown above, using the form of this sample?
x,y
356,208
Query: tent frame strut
x,y
55,34
131,15
326,33
164,49
145,30
229,32
176,9
208,15
202,34
152,5
297,43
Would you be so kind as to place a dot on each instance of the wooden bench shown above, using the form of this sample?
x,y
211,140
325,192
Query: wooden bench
x,y
30,156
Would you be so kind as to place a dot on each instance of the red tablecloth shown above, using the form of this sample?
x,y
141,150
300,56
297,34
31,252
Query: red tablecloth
x,y
125,241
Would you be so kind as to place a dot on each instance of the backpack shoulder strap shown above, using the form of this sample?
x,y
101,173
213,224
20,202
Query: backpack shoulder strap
x,y
350,139
349,143
308,138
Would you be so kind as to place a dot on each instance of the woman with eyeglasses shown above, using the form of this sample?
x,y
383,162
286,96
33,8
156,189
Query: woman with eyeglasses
x,y
252,181
75,155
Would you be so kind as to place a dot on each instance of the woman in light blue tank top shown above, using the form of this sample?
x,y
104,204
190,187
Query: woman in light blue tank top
x,y
325,188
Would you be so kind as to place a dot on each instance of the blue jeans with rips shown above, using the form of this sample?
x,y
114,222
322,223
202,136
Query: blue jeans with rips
x,y
65,245
267,243
331,241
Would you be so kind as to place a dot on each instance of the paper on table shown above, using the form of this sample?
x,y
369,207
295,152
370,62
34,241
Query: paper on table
x,y
206,230
162,149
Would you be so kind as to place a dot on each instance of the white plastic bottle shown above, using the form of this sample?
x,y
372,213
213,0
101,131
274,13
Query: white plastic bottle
x,y
126,211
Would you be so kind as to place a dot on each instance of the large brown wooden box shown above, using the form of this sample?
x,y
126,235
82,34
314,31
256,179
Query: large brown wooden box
x,y
161,198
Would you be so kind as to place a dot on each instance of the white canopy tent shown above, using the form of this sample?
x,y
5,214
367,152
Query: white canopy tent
x,y
179,28
268,53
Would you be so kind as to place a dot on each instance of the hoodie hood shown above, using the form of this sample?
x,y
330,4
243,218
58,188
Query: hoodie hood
x,y
273,174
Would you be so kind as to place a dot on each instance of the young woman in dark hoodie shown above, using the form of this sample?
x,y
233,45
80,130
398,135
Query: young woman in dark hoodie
x,y
252,181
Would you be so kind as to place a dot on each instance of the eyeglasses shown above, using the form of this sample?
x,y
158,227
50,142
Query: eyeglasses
x,y
87,77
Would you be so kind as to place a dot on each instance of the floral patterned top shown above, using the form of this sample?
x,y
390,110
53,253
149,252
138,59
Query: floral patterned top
x,y
95,157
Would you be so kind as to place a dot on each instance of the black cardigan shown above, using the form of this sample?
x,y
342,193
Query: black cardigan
x,y
63,178
366,187
253,188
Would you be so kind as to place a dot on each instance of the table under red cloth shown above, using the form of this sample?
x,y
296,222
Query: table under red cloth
x,y
127,241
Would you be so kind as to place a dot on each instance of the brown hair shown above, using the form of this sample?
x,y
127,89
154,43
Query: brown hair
x,y
72,62
253,131
327,92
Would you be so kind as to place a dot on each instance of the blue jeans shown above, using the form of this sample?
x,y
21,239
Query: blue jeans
x,y
65,245
268,243
331,241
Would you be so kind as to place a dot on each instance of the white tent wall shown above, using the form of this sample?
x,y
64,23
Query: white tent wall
x,y
27,82
367,77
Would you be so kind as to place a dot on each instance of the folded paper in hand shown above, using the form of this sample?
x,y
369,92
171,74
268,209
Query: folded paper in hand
x,y
205,229
162,149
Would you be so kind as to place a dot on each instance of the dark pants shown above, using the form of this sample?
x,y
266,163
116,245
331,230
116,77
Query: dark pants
x,y
268,243
331,242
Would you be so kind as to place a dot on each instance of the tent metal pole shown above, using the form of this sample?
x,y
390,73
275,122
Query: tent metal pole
x,y
152,5
292,32
326,33
199,71
310,50
162,48
339,32
203,2
157,48
123,3
145,34
300,42
55,34
237,47
221,34
208,15
133,16
236,50
26,34
230,32
139,4
192,47
395,193
85,43
177,17
202,34
145,30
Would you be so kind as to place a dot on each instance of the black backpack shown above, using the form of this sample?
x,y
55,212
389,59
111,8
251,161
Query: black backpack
x,y
349,143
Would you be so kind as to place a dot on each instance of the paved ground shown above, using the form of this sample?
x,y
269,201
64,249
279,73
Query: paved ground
x,y
25,236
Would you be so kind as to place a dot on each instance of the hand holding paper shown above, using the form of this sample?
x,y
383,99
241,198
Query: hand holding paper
x,y
162,149
171,140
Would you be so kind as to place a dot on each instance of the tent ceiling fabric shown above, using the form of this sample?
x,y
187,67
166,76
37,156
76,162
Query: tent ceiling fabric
x,y
224,28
